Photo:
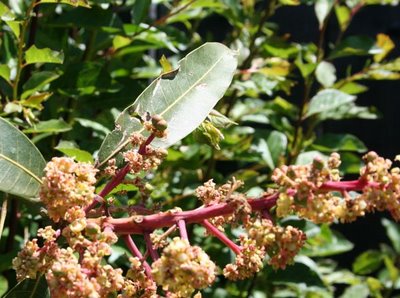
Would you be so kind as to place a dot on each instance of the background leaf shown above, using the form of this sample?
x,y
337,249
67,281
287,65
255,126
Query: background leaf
x,y
34,288
184,101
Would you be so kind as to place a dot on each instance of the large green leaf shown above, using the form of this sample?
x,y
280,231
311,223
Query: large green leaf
x,y
183,100
368,262
45,55
21,163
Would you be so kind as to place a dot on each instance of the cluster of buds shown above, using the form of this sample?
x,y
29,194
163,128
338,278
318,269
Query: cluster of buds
x,y
210,194
143,161
183,268
67,185
66,274
156,125
264,239
315,191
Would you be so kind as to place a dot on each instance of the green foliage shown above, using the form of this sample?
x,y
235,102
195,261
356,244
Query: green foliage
x,y
73,77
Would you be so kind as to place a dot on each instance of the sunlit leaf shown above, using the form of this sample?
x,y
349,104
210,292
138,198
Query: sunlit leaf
x,y
45,55
384,42
322,9
183,101
326,74
326,100
75,3
71,150
21,163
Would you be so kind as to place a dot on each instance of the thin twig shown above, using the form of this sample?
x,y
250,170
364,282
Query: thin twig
x,y
136,252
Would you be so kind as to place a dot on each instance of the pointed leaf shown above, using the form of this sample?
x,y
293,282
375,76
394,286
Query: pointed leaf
x,y
327,100
21,163
45,55
184,100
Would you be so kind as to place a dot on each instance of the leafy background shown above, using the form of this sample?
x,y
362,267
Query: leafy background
x,y
77,67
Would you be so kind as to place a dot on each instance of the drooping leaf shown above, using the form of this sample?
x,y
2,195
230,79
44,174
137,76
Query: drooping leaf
x,y
52,126
37,81
183,101
368,262
21,163
326,74
356,45
34,288
45,55
326,100
393,232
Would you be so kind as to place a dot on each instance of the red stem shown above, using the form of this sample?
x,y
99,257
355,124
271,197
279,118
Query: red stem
x,y
149,244
182,229
136,252
221,236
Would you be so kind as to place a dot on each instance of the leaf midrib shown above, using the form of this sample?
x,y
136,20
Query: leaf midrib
x,y
21,167
124,143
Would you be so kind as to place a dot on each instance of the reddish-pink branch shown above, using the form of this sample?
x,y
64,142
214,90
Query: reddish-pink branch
x,y
149,244
136,252
182,229
221,236
149,223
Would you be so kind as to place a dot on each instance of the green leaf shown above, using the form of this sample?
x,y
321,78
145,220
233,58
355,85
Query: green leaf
x,y
326,243
37,82
99,128
306,158
359,291
75,3
34,288
343,14
368,262
21,163
45,55
327,100
183,101
339,142
353,88
326,74
277,143
70,149
53,126
355,45
35,101
393,232
3,285
5,72
322,9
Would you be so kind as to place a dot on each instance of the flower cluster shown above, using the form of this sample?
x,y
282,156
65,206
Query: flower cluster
x,y
263,238
183,268
143,161
66,274
67,185
315,191
209,194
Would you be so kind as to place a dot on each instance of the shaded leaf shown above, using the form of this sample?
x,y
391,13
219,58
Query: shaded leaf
x,y
3,285
35,101
355,45
183,101
34,288
359,291
368,262
53,126
339,142
37,81
326,243
45,55
21,163
5,72
393,232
